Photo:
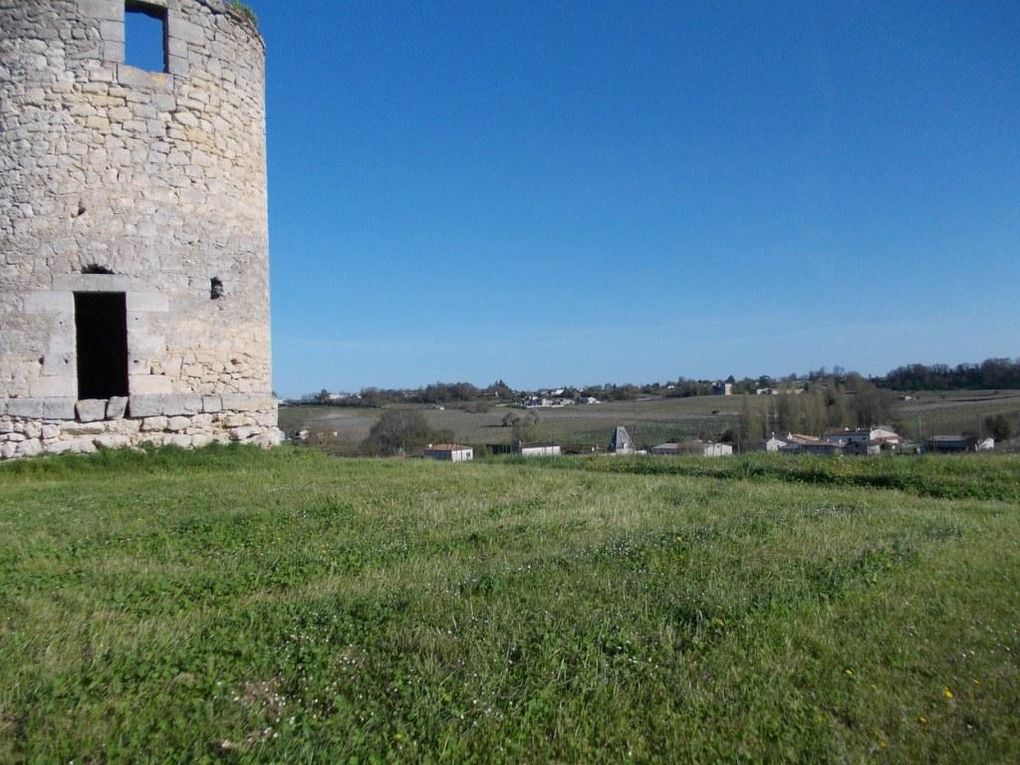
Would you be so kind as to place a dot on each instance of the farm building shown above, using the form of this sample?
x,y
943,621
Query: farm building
x,y
621,442
700,448
960,444
797,443
450,452
527,449
871,440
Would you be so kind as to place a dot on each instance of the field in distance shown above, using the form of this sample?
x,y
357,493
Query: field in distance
x,y
649,421
288,606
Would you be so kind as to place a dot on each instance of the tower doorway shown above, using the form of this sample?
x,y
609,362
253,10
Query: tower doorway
x,y
100,322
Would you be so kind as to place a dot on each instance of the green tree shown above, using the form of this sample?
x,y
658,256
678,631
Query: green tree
x,y
399,430
998,427
527,428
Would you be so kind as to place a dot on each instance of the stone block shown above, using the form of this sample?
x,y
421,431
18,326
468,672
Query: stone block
x,y
111,441
184,30
133,77
177,65
50,430
58,447
84,428
124,427
8,450
73,446
113,51
212,404
60,408
72,283
50,301
29,448
103,10
148,385
25,407
178,423
91,409
116,407
150,424
177,46
59,364
243,433
147,301
50,387
187,403
145,406
112,31
248,402
179,440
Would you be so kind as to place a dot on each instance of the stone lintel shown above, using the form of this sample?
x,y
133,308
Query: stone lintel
x,y
95,283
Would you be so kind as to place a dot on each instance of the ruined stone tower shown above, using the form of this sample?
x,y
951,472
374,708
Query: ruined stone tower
x,y
134,292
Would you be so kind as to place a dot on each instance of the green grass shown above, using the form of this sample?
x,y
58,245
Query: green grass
x,y
235,605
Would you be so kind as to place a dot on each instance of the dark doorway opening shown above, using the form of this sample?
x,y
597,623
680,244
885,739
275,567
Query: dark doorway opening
x,y
100,320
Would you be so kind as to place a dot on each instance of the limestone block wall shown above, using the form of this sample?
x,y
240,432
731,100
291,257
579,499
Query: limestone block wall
x,y
152,185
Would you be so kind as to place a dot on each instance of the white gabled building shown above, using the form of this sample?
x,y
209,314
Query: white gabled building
x,y
450,452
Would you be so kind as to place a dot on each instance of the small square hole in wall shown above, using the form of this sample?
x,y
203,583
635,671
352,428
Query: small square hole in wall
x,y
145,36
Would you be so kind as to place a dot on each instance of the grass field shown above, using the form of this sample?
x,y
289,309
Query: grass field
x,y
235,605
650,421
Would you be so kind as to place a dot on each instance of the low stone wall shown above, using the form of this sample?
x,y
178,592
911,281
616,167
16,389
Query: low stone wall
x,y
32,426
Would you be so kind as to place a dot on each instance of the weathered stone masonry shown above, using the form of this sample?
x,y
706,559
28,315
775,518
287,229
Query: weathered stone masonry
x,y
149,190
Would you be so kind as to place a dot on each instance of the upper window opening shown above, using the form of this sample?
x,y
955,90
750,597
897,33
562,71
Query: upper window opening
x,y
145,36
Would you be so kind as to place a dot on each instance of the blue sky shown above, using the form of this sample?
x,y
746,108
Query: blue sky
x,y
579,193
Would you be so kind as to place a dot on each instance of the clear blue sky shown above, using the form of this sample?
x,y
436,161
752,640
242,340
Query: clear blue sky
x,y
577,193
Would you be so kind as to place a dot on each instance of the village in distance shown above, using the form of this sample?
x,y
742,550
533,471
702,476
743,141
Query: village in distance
x,y
913,409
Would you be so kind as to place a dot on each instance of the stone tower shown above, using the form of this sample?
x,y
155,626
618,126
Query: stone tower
x,y
134,290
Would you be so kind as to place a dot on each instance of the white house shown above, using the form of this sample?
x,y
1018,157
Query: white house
x,y
450,452
865,440
539,450
701,448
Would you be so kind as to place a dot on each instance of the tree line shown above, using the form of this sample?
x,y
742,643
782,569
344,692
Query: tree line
x,y
994,373
817,404
990,374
